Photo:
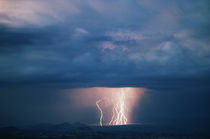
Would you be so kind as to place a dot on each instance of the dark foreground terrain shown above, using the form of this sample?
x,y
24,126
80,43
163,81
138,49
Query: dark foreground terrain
x,y
81,131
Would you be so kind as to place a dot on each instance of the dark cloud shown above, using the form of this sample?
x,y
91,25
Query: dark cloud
x,y
19,38
158,44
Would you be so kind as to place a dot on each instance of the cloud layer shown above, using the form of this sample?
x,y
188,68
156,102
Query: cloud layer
x,y
94,42
50,47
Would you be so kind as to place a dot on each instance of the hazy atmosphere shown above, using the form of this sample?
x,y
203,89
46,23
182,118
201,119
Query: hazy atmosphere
x,y
58,57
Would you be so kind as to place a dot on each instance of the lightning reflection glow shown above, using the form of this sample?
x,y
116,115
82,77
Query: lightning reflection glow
x,y
114,106
119,110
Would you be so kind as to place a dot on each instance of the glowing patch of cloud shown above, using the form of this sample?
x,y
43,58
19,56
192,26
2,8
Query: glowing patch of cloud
x,y
35,12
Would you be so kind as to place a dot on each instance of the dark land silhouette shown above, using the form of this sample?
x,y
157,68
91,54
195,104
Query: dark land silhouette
x,y
82,131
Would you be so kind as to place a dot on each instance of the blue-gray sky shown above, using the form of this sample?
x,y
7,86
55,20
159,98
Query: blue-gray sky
x,y
161,45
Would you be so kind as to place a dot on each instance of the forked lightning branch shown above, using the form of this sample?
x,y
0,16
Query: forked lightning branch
x,y
118,110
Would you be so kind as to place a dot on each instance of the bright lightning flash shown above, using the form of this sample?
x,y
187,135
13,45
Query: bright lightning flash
x,y
118,110
101,112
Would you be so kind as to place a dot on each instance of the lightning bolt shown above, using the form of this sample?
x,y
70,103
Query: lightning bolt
x,y
101,112
118,110
120,118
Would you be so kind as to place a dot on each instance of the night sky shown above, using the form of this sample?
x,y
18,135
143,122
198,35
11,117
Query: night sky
x,y
50,46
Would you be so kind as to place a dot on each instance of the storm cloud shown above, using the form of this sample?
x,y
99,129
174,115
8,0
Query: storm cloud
x,y
153,44
103,40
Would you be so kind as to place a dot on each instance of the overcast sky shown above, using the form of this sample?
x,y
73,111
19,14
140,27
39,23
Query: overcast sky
x,y
51,45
